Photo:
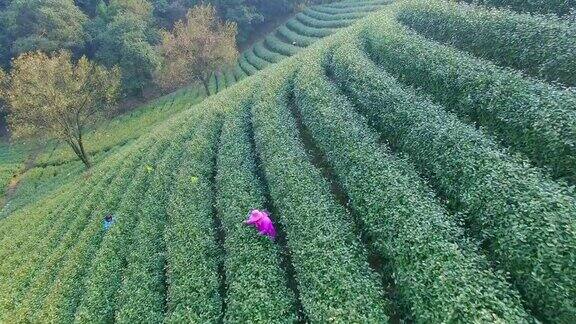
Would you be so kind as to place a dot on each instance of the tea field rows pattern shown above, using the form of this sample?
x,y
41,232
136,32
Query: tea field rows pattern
x,y
414,175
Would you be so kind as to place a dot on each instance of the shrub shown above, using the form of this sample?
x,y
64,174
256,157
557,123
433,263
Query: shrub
x,y
316,23
256,287
526,222
189,234
265,53
439,277
248,68
540,46
301,29
295,38
278,46
335,285
559,7
64,295
254,60
531,117
351,16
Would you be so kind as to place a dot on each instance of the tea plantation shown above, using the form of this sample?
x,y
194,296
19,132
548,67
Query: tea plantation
x,y
417,157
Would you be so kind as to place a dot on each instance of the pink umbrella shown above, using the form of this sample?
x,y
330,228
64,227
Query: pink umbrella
x,y
261,220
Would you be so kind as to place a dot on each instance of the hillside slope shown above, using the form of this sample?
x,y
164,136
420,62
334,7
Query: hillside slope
x,y
412,177
53,165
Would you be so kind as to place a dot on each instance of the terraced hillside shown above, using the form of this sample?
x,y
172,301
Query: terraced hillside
x,y
414,175
307,27
46,162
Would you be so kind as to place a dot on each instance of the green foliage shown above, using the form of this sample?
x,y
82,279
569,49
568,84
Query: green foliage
x,y
122,242
192,251
239,73
487,95
278,46
254,60
142,295
348,7
268,55
355,164
124,42
559,7
295,38
319,23
248,68
541,46
196,48
314,13
42,25
248,258
333,285
212,84
525,221
439,277
52,97
80,222
229,77
297,27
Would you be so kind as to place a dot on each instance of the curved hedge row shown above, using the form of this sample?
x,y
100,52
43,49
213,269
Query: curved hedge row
x,y
350,16
295,38
23,271
360,8
38,252
541,46
559,7
99,301
256,287
317,23
221,81
530,116
248,68
279,46
43,213
239,73
333,285
45,275
254,60
142,295
192,276
212,85
299,32
64,295
100,298
268,55
439,277
229,77
527,222
297,27
355,4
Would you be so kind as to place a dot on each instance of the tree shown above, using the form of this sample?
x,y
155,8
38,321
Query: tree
x,y
51,97
245,15
196,48
123,36
42,25
89,7
167,12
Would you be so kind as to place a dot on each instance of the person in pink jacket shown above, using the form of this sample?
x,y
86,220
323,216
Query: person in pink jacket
x,y
261,220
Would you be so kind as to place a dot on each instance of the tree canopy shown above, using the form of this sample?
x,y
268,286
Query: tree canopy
x,y
123,37
121,33
43,25
51,97
196,48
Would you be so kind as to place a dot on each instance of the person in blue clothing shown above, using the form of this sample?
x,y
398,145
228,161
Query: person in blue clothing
x,y
108,221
